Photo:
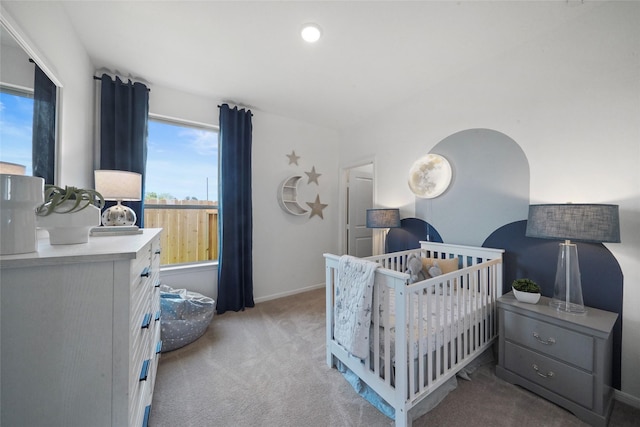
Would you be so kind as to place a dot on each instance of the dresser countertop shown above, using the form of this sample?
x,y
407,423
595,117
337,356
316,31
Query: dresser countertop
x,y
595,319
98,247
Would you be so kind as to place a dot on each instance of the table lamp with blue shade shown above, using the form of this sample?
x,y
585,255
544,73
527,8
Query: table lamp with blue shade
x,y
383,218
595,223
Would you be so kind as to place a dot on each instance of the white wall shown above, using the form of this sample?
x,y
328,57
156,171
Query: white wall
x,y
287,249
570,100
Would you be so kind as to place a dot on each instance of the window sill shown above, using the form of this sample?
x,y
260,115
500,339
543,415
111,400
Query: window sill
x,y
208,265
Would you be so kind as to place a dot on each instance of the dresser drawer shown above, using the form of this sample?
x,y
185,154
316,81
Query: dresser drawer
x,y
555,376
560,343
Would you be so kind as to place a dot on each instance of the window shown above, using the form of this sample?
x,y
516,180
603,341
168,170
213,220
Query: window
x,y
181,189
16,123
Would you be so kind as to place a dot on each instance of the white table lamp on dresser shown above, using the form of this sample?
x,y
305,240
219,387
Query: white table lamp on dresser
x,y
80,332
119,186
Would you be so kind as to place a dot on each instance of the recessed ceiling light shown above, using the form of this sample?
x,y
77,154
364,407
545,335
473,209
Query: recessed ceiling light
x,y
311,33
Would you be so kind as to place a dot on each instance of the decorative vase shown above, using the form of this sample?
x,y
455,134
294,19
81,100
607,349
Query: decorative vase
x,y
528,297
19,197
70,228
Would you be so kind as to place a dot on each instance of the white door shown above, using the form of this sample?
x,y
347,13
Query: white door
x,y
359,199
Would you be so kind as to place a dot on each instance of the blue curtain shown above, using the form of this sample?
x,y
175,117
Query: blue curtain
x,y
124,113
235,235
44,127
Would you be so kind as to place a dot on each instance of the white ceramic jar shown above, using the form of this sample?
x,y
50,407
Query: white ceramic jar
x,y
19,197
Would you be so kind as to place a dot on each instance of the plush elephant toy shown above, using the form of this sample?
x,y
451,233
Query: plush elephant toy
x,y
414,269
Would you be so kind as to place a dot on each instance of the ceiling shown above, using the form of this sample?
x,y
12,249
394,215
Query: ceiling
x,y
373,54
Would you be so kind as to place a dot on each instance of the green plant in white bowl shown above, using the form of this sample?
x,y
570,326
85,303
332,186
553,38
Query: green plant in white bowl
x,y
68,199
526,290
69,213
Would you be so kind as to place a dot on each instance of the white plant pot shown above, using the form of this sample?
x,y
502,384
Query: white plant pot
x,y
70,228
527,297
19,197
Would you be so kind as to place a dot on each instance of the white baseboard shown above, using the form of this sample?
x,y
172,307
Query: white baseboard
x,y
630,400
289,293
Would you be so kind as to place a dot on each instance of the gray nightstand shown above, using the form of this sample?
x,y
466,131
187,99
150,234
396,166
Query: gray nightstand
x,y
564,358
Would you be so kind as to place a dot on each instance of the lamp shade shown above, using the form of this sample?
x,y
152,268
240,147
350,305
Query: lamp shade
x,y
119,185
383,218
579,222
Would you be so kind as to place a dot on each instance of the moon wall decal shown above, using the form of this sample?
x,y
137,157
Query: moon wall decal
x,y
288,196
430,176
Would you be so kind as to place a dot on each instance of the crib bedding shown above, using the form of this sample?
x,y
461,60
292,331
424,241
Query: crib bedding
x,y
439,322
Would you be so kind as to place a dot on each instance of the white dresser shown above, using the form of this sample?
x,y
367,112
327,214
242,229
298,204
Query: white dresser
x,y
80,332
565,358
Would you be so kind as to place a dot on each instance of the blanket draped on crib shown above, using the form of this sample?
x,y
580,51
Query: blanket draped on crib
x,y
353,302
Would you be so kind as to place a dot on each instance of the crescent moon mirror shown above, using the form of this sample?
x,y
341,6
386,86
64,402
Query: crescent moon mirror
x,y
430,176
288,196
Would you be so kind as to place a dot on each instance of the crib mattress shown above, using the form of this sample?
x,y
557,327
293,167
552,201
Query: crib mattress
x,y
457,310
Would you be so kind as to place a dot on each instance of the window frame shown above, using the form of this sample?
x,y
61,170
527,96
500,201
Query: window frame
x,y
200,126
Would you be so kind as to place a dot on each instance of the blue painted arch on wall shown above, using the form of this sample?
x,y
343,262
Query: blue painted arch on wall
x,y
409,235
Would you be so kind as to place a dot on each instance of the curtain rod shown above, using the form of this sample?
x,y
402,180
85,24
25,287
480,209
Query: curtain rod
x,y
100,78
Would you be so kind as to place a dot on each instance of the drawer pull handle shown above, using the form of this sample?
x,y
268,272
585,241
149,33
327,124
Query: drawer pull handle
x,y
549,341
549,374
158,251
147,413
144,372
146,321
145,272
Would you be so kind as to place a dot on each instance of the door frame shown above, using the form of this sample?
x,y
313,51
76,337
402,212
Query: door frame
x,y
342,196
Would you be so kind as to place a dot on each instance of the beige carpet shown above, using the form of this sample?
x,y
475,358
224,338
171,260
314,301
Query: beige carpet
x,y
266,367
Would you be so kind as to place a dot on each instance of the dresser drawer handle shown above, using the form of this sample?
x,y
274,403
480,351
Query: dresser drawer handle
x,y
158,251
146,272
549,374
549,341
146,321
144,372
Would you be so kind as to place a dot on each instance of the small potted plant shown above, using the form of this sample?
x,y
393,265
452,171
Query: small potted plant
x,y
69,213
526,290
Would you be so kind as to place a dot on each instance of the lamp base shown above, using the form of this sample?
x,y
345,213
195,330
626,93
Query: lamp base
x,y
118,215
565,307
567,292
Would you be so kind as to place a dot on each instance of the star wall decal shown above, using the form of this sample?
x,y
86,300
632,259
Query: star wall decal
x,y
317,207
293,158
313,176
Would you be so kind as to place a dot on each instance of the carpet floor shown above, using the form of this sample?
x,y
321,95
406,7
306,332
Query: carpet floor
x,y
266,366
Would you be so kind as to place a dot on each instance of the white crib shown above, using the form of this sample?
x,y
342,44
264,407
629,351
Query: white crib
x,y
461,307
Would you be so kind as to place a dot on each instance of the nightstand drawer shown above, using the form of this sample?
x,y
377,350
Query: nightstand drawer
x,y
561,343
565,380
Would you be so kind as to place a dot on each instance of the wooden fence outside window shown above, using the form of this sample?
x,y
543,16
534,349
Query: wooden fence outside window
x,y
190,229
